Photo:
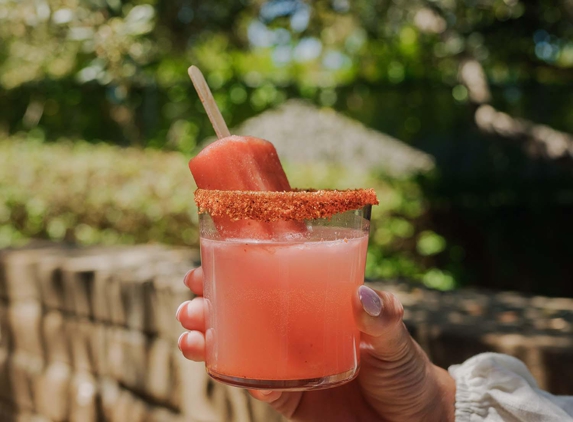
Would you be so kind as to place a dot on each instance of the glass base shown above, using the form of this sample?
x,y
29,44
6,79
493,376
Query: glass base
x,y
287,385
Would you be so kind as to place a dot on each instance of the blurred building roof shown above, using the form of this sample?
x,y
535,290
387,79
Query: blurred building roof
x,y
303,133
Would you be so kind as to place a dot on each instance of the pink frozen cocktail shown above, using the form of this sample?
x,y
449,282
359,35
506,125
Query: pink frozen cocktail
x,y
280,309
280,266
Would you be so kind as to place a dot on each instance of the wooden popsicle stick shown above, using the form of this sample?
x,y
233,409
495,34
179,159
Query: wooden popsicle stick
x,y
209,103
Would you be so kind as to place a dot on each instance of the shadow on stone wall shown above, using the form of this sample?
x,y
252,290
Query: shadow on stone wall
x,y
90,335
453,326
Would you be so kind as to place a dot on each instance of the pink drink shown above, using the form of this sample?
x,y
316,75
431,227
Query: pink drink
x,y
280,312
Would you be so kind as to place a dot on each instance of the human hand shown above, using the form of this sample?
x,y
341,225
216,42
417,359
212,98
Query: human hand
x,y
397,382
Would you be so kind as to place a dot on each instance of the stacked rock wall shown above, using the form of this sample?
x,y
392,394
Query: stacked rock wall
x,y
454,326
90,335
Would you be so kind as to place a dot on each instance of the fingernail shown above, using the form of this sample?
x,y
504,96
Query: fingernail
x,y
185,276
371,302
266,392
179,310
180,339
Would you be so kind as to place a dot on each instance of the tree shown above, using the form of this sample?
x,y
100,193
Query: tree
x,y
117,68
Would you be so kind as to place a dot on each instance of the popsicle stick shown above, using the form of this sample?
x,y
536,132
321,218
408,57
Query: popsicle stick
x,y
209,103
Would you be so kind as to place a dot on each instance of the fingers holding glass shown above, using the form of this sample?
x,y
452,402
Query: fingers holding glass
x,y
267,396
192,345
194,280
191,314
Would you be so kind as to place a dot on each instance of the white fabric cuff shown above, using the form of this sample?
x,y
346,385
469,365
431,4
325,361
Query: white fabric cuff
x,y
492,387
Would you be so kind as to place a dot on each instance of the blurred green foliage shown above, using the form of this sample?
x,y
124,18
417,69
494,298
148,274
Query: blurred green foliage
x,y
89,194
102,194
114,71
513,235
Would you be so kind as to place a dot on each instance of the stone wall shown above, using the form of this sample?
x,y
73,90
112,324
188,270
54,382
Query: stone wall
x,y
453,326
90,335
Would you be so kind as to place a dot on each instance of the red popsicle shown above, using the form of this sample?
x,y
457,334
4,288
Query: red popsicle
x,y
244,163
239,163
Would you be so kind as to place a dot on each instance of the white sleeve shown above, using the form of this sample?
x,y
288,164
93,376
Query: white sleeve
x,y
493,387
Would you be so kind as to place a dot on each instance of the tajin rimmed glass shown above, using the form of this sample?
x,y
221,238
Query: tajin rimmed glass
x,y
279,308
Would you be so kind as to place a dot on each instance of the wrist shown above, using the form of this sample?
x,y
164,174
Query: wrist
x,y
447,395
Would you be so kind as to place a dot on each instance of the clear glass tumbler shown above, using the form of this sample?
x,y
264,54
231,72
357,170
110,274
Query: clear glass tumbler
x,y
279,311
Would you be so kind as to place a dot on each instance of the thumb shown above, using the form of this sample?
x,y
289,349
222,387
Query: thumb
x,y
379,316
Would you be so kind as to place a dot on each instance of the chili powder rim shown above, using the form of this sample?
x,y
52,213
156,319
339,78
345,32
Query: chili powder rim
x,y
295,205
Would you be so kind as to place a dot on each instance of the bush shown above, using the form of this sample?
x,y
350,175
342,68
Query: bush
x,y
94,194
102,194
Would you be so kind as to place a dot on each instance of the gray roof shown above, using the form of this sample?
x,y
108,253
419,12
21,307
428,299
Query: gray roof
x,y
303,133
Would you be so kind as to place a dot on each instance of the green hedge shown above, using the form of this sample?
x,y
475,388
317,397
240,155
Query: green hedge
x,y
102,194
94,194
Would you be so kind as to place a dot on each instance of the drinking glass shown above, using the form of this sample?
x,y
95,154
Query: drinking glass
x,y
279,311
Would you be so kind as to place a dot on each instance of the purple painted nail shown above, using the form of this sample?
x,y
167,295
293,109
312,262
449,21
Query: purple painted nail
x,y
371,302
